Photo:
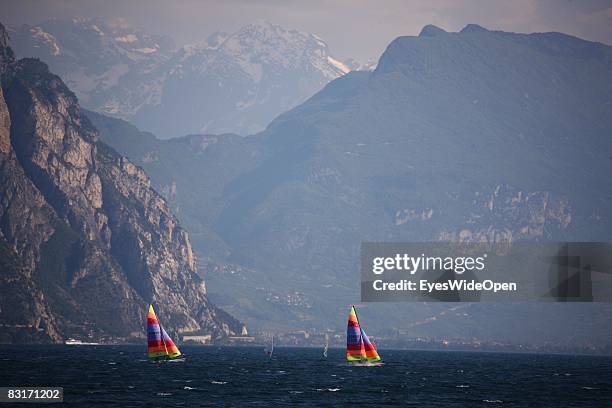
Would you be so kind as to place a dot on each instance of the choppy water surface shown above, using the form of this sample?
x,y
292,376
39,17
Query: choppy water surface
x,y
122,376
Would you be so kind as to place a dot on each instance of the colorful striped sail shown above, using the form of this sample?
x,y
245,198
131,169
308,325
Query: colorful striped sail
x,y
370,351
171,349
159,344
355,350
358,345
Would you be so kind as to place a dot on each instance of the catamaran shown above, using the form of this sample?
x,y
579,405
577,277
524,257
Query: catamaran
x,y
359,348
160,345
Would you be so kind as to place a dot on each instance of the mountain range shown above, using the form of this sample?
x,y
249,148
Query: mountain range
x,y
236,82
477,135
86,242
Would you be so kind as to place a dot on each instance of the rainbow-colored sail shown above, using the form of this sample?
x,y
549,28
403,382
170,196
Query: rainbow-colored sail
x,y
160,345
359,348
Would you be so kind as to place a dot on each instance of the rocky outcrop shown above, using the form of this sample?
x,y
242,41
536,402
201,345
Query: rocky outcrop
x,y
510,214
88,242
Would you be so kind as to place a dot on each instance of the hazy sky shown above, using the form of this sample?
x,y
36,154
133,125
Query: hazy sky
x,y
352,28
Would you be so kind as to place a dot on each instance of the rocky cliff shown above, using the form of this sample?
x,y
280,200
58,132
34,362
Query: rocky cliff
x,y
86,242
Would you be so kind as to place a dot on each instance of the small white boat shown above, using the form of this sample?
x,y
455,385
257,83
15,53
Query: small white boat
x,y
75,342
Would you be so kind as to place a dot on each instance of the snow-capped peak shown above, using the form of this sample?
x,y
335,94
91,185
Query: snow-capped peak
x,y
47,39
128,38
236,82
262,42
338,64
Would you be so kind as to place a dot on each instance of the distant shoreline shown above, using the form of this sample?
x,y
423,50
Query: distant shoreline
x,y
290,346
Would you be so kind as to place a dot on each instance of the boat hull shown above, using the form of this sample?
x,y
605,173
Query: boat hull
x,y
365,364
164,359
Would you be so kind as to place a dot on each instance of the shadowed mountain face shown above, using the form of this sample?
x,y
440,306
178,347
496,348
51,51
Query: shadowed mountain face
x,y
476,135
228,83
86,243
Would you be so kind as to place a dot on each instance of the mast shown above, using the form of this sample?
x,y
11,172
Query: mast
x,y
356,316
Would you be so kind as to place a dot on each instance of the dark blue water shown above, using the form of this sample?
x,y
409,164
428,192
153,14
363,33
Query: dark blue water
x,y
121,376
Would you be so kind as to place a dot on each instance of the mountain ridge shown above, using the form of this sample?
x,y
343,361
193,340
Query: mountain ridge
x,y
472,136
252,74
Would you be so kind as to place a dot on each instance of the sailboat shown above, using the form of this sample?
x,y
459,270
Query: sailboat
x,y
359,348
269,352
326,346
160,345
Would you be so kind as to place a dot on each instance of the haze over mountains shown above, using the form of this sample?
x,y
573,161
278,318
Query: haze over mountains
x,y
85,242
476,135
230,82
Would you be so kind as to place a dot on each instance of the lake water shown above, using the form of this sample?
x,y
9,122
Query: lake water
x,y
121,376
